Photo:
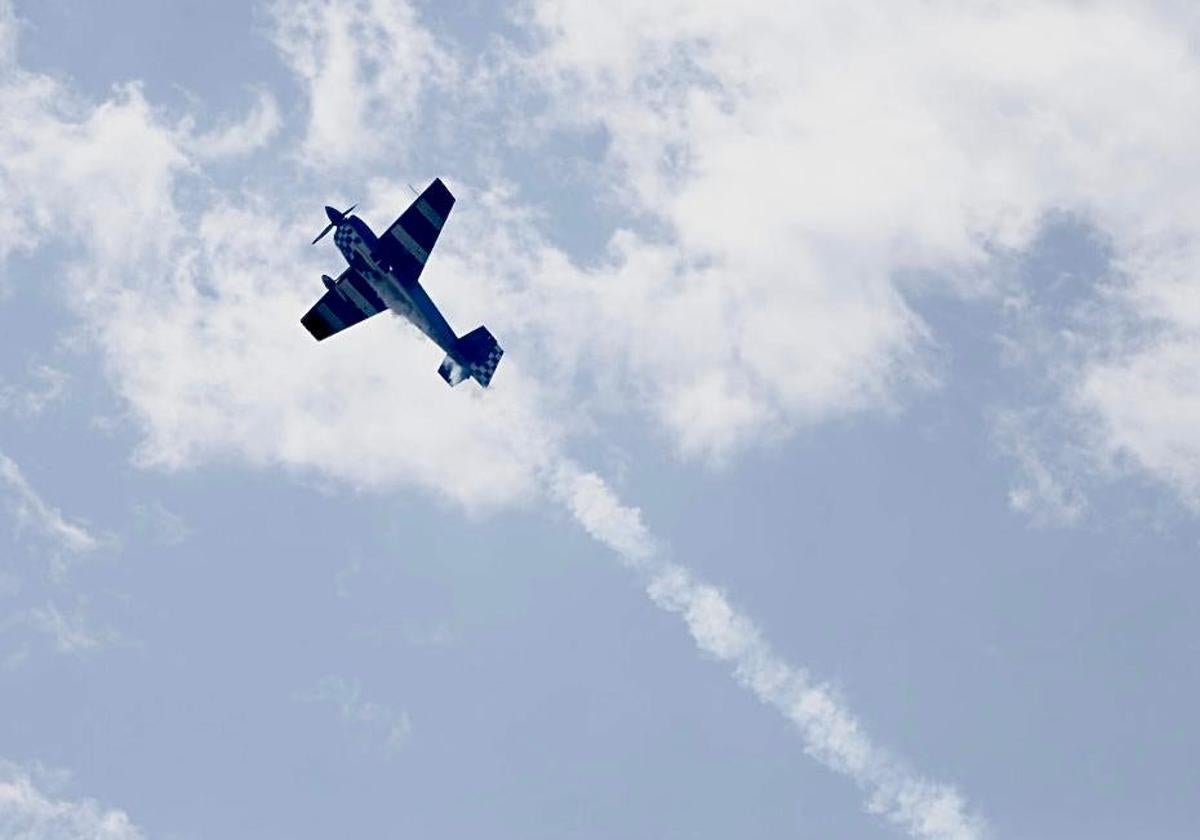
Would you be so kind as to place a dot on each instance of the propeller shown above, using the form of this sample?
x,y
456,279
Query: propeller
x,y
335,220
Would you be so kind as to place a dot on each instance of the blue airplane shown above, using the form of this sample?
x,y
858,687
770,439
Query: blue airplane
x,y
383,274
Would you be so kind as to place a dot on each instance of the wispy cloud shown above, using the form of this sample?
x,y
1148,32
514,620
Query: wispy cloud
x,y
234,139
158,523
24,402
1044,490
388,728
359,107
30,812
33,513
71,632
831,734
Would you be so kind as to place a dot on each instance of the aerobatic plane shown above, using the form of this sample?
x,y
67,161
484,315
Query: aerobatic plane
x,y
384,273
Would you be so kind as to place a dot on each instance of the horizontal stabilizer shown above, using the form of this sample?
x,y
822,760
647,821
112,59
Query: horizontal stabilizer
x,y
481,353
452,371
475,355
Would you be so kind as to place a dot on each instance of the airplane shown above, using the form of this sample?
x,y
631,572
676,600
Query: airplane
x,y
383,274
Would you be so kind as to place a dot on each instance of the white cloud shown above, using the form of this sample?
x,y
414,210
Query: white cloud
x,y
247,135
27,812
800,158
365,65
62,162
1146,402
33,513
793,160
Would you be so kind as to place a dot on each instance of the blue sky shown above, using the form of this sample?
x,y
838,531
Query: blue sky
x,y
840,478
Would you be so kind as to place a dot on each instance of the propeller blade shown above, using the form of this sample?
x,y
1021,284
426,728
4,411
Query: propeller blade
x,y
321,236
335,219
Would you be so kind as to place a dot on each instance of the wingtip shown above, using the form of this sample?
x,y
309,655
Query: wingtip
x,y
317,326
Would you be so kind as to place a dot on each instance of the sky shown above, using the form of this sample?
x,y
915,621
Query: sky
x,y
840,479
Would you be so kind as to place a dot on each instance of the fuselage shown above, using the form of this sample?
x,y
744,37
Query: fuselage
x,y
359,245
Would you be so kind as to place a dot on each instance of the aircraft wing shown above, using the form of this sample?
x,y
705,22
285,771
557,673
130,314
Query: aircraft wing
x,y
407,242
349,301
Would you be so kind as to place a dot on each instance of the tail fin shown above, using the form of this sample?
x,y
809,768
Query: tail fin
x,y
478,354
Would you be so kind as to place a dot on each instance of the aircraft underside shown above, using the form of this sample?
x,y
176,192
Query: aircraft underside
x,y
383,274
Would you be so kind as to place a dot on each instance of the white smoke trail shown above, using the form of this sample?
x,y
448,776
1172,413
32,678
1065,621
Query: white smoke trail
x,y
921,808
